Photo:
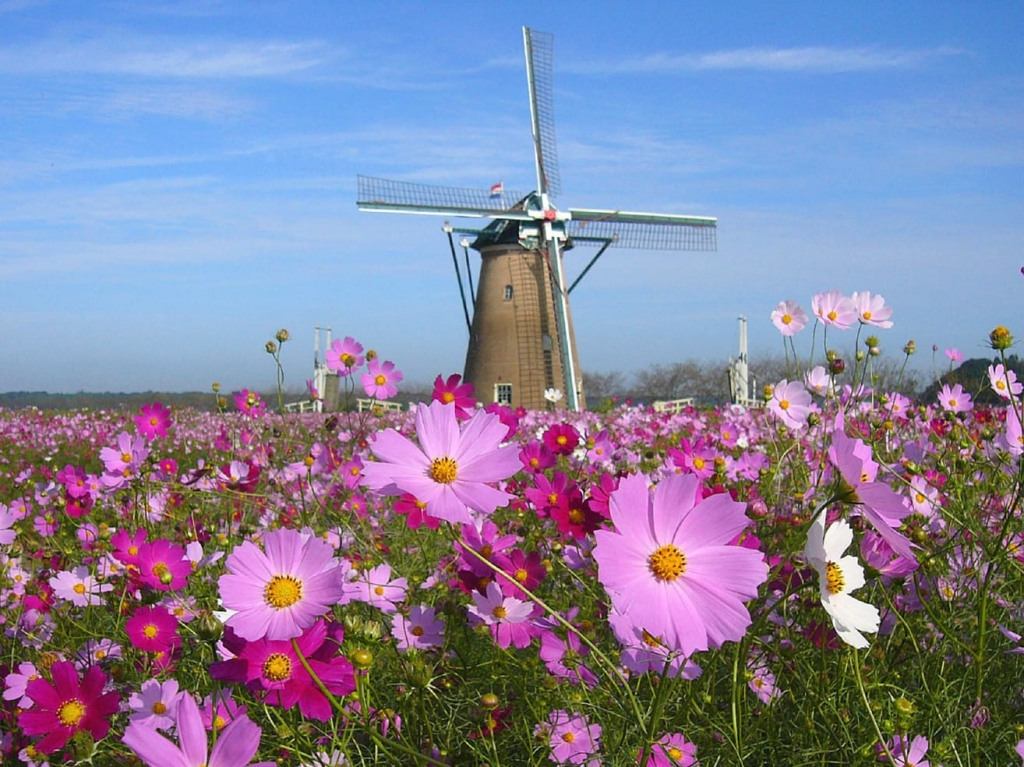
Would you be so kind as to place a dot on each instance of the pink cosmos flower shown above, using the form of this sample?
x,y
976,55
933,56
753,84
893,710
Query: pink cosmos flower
x,y
1013,438
236,744
451,390
954,354
7,520
377,588
819,381
954,399
156,705
16,682
561,438
280,593
672,750
669,567
450,470
249,402
573,739
67,706
790,403
1004,382
878,502
153,420
871,310
79,587
345,356
420,630
834,309
909,753
380,379
508,617
789,317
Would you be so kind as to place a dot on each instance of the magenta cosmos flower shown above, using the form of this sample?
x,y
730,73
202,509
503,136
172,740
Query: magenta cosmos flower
x,y
281,592
68,706
451,390
380,378
236,744
451,468
153,420
345,356
669,567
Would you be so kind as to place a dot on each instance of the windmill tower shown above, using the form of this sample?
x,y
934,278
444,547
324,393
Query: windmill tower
x,y
521,335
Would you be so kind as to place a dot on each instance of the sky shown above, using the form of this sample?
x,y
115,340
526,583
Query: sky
x,y
178,179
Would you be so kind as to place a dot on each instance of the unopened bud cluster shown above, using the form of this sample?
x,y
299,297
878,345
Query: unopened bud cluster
x,y
1000,338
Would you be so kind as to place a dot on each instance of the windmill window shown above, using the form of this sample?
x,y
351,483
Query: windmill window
x,y
508,292
503,394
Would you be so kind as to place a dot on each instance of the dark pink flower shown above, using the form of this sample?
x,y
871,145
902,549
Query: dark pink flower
x,y
153,420
67,706
451,390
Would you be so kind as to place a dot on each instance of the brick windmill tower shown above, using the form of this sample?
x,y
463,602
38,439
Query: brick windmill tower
x,y
521,339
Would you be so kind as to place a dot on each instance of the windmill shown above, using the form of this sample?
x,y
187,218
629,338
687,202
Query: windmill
x,y
521,338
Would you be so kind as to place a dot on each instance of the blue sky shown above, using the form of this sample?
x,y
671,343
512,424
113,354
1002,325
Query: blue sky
x,y
177,179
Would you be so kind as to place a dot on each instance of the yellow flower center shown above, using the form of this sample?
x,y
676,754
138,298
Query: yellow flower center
x,y
499,612
378,590
159,569
866,315
568,737
784,404
919,498
576,516
521,575
277,667
159,707
649,639
675,754
832,315
667,563
561,439
347,359
787,318
282,591
126,457
79,588
416,631
834,580
380,379
70,712
1000,385
698,463
443,470
150,630
219,722
447,397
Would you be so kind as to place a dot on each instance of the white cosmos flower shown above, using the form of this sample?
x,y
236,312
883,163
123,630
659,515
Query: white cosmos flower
x,y
838,575
552,395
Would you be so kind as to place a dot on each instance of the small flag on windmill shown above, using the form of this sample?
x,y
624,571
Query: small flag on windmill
x,y
497,191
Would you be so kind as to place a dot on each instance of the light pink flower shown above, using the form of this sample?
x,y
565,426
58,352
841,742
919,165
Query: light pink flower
x,y
954,399
789,317
1004,382
834,309
790,403
871,310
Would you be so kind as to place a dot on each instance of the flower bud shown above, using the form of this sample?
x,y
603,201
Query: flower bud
x,y
371,355
208,627
271,347
910,348
216,387
362,659
1000,338
871,341
282,335
836,366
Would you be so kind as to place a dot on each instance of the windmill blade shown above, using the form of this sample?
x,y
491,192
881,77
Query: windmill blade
x,y
540,79
642,231
385,195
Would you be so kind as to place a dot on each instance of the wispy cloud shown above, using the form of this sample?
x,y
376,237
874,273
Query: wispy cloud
x,y
817,59
163,57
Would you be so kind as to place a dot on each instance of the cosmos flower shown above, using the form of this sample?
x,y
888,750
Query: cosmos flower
x,y
789,317
79,587
878,502
669,567
450,390
1004,382
278,593
790,403
236,744
553,395
954,399
834,309
573,739
838,575
672,750
156,705
153,420
909,753
380,378
420,630
152,628
451,469
345,356
872,310
508,617
163,565
67,706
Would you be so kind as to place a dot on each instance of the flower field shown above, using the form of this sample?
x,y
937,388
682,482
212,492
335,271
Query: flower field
x,y
837,578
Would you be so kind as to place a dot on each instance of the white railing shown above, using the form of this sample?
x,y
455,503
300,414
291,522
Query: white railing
x,y
672,405
376,406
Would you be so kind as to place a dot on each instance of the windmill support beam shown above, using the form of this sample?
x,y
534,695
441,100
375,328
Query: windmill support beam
x,y
590,264
565,336
458,277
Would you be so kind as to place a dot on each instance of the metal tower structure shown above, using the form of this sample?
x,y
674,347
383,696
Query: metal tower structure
x,y
521,333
